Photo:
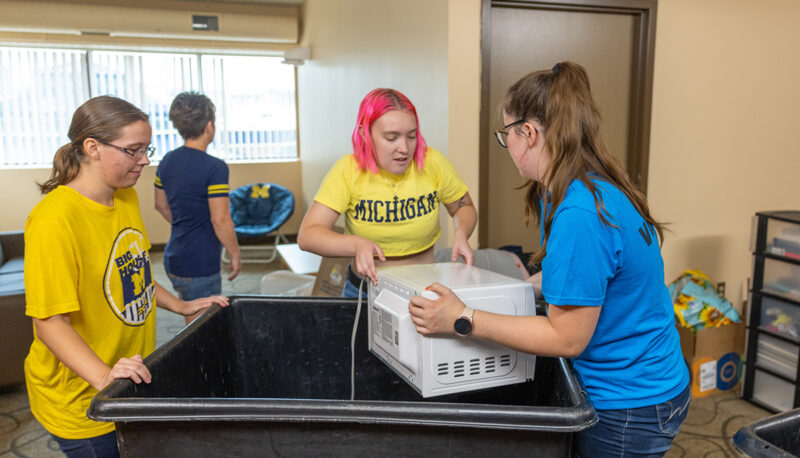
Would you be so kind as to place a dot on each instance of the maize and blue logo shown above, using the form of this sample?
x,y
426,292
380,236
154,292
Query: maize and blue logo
x,y
128,281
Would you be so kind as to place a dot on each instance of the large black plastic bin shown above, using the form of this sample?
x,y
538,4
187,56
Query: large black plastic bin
x,y
270,376
775,436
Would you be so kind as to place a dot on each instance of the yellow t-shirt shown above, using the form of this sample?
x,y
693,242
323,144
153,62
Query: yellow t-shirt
x,y
398,212
91,262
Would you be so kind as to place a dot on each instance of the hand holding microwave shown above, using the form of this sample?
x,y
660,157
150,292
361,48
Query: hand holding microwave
x,y
437,310
413,330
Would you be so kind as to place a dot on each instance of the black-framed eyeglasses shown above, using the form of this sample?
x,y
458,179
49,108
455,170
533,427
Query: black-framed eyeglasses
x,y
502,134
148,151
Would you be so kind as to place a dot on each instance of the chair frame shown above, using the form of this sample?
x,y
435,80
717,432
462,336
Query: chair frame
x,y
270,248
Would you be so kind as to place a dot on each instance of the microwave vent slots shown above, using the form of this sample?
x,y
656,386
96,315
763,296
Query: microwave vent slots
x,y
458,369
473,367
489,364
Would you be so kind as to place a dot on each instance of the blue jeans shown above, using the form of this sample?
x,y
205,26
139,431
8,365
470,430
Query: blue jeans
x,y
644,431
191,288
104,446
350,289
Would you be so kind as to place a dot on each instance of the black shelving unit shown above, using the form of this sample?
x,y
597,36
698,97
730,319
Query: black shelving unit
x,y
772,373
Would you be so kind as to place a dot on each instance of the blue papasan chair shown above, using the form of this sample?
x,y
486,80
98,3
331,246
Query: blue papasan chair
x,y
258,210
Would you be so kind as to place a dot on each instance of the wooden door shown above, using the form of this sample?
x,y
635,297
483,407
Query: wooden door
x,y
519,38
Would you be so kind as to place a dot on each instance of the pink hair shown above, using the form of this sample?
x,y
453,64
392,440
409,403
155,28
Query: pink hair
x,y
375,105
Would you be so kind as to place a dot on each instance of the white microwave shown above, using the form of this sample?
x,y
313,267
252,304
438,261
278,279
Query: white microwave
x,y
441,365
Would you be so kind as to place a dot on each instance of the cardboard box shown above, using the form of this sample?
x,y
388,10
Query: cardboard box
x,y
332,274
714,357
331,277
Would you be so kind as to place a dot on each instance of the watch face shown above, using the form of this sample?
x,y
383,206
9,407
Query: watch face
x,y
463,326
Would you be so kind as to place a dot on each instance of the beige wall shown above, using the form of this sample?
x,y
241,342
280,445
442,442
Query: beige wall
x,y
464,105
20,194
357,46
18,188
722,140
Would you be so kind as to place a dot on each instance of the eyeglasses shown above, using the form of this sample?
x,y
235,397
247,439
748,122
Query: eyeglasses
x,y
502,134
149,151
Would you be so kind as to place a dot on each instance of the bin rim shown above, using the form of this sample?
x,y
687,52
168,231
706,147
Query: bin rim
x,y
335,411
105,406
748,441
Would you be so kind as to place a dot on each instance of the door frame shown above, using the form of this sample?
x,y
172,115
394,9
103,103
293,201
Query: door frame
x,y
638,143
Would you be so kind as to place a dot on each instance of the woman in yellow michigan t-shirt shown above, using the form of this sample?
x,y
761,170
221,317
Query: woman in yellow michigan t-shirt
x,y
389,190
88,281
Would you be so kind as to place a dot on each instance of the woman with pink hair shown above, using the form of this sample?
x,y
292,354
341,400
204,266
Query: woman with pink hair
x,y
389,190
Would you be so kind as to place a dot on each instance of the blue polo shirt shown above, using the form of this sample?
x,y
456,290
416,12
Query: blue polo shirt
x,y
634,357
190,177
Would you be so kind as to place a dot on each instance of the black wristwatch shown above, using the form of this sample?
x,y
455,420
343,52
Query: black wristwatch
x,y
463,324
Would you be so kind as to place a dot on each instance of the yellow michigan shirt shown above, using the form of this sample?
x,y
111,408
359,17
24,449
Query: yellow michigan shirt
x,y
90,262
398,212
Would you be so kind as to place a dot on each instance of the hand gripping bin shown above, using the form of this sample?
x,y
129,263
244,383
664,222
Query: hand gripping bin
x,y
440,365
775,436
270,376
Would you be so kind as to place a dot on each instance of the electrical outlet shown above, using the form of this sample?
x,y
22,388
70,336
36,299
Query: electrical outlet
x,y
721,289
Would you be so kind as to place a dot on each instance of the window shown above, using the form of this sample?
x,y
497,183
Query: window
x,y
259,116
39,91
41,88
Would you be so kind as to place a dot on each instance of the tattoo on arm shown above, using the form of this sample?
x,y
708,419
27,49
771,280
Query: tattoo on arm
x,y
464,201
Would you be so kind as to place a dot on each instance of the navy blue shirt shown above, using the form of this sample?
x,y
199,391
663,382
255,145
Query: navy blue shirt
x,y
634,357
190,177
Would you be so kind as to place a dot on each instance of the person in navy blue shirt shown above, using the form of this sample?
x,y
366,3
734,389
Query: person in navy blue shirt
x,y
191,192
602,271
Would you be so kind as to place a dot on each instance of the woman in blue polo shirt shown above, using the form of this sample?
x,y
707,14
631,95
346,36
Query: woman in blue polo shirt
x,y
602,271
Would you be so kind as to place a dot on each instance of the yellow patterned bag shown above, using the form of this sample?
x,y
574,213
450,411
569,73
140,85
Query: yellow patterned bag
x,y
696,303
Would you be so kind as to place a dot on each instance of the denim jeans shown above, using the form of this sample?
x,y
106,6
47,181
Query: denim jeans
x,y
104,446
644,431
351,288
191,288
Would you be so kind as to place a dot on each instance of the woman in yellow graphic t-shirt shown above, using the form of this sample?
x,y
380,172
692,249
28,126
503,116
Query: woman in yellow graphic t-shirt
x,y
88,282
389,190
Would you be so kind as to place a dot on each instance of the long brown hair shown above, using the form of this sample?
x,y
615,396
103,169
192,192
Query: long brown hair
x,y
100,117
561,100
